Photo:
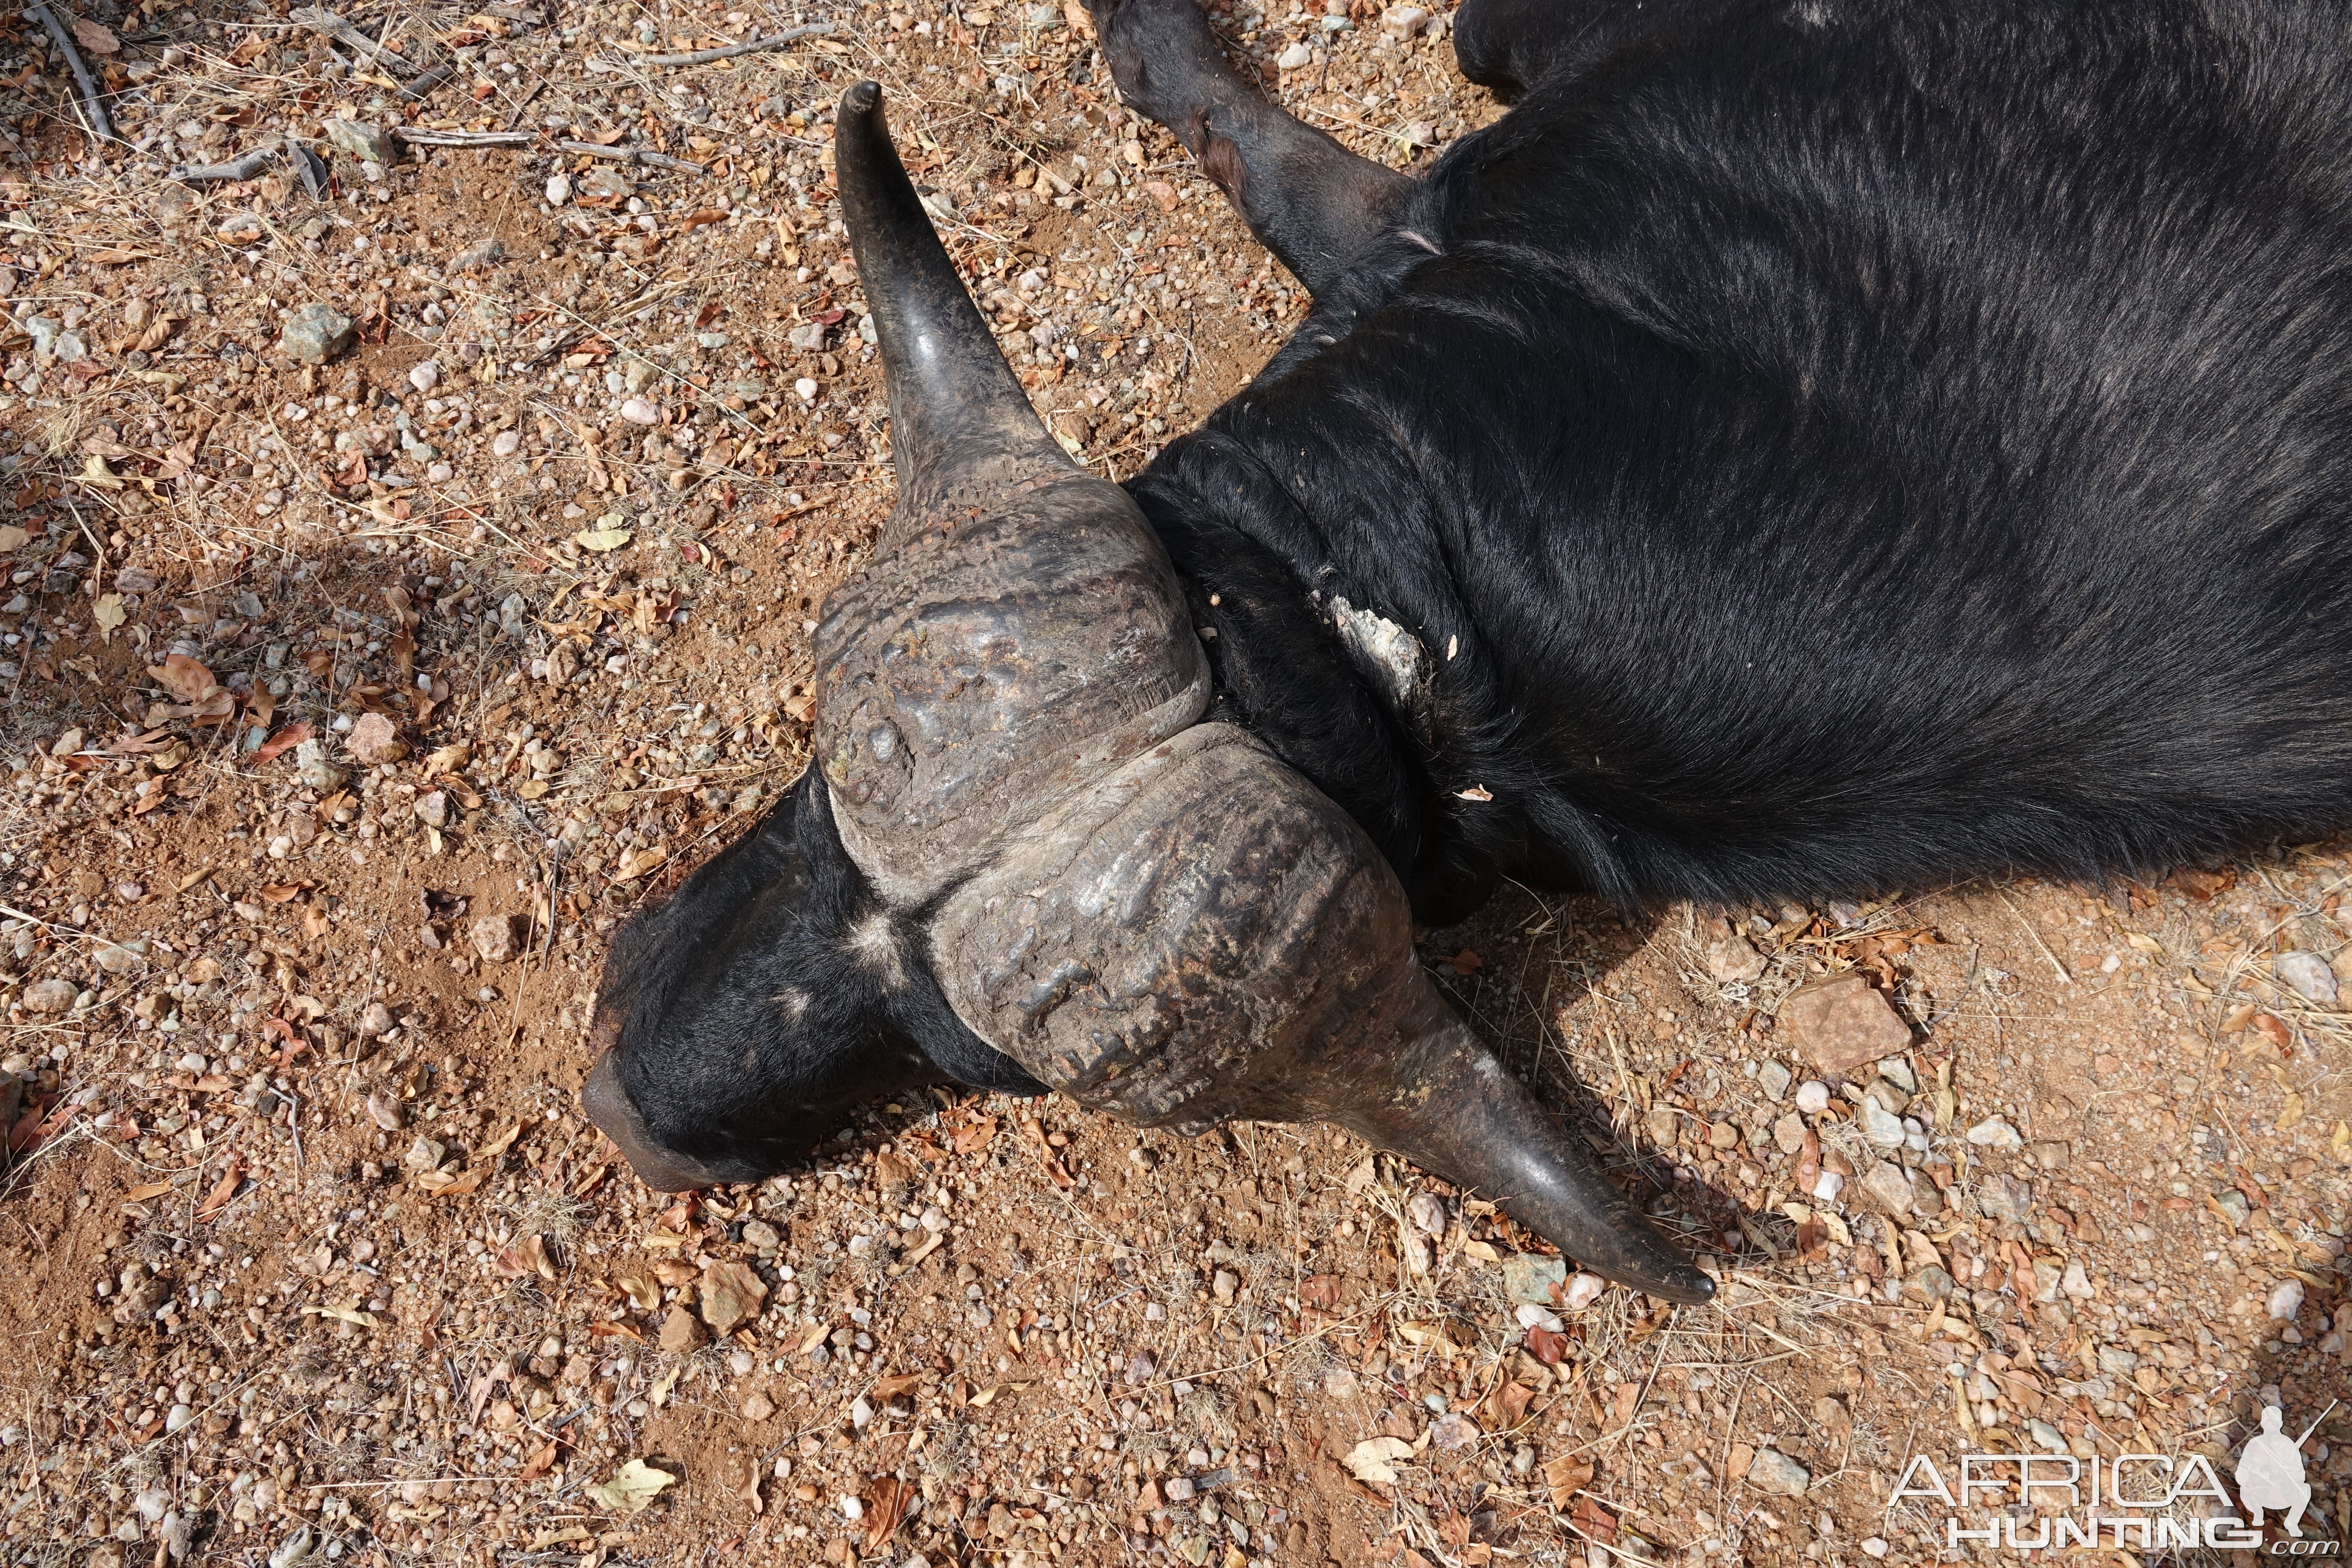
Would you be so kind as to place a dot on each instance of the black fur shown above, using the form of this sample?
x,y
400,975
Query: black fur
x,y
1855,445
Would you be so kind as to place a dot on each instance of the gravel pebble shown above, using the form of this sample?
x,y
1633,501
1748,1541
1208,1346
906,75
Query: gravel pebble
x,y
1773,1473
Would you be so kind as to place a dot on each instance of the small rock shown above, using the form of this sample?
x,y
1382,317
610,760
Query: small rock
x,y
1931,1282
1531,1316
681,1332
50,995
731,1295
559,190
179,1416
1530,1276
311,766
759,1407
2004,1196
1788,1133
2047,1276
762,1236
121,957
806,387
384,1110
1774,1080
2286,1300
424,1154
1774,1472
493,937
368,144
1734,960
638,411
1812,1097
1139,1368
316,333
1876,1545
44,333
1427,1213
376,1020
432,808
1840,1023
861,1413
506,443
1298,57
2229,1200
1583,1290
2308,976
2076,1283
1896,1070
1223,1285
1177,1489
374,740
425,375
1880,1126
2045,1436
1453,1431
1993,1132
1888,1186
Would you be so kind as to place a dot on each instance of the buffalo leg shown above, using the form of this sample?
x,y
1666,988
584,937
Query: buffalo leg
x,y
1307,198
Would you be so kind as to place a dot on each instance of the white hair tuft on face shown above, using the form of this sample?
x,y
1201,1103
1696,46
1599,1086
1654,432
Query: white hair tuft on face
x,y
877,946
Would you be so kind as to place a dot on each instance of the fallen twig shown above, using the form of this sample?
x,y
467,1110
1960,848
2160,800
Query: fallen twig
x,y
243,168
415,137
319,19
92,107
632,155
417,91
728,52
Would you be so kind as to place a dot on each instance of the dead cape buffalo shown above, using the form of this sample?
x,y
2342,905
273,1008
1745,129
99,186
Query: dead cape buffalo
x,y
1804,446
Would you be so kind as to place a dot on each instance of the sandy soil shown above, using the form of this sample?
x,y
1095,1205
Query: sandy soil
x,y
305,1251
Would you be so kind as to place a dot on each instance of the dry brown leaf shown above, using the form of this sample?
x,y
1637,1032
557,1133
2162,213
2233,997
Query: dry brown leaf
x,y
1567,1476
459,1185
94,36
218,1199
1506,1408
889,1388
884,1507
286,740
184,677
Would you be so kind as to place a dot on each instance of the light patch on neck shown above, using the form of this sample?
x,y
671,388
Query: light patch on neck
x,y
876,947
793,1001
1383,651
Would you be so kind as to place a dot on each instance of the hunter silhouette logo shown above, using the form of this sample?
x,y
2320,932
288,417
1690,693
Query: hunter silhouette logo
x,y
2144,1500
2270,1473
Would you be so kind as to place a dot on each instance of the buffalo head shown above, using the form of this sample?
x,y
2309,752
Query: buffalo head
x,y
1020,859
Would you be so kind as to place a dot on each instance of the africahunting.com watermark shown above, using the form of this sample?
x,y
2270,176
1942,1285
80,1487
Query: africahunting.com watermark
x,y
2139,1502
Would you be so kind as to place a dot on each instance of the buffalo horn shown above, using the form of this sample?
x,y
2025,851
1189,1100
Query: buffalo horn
x,y
1443,1101
952,397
